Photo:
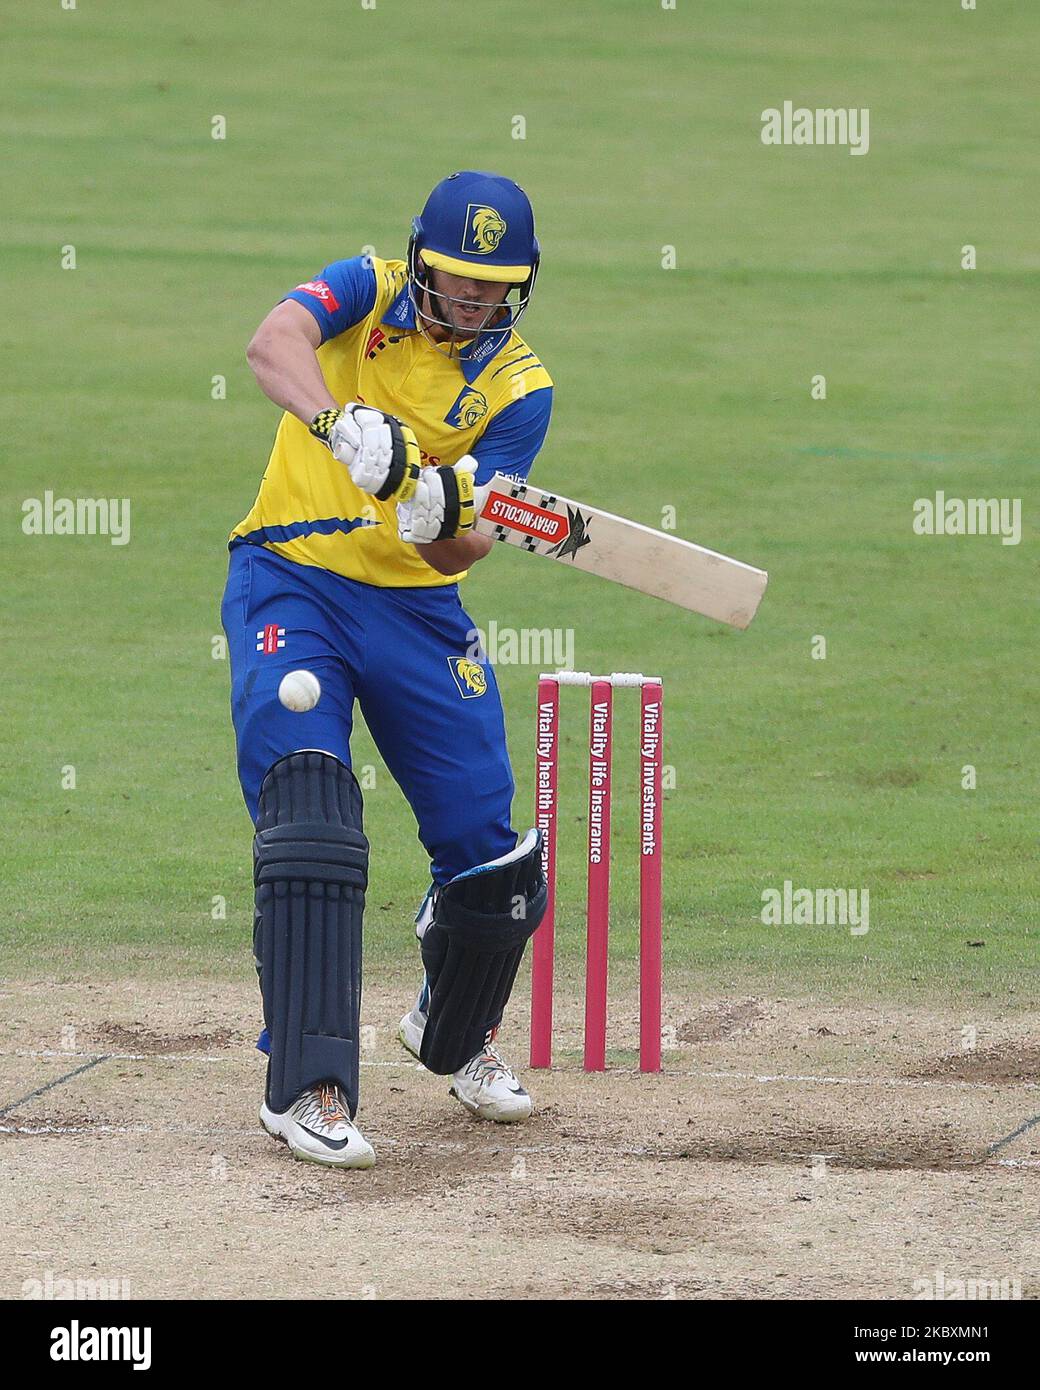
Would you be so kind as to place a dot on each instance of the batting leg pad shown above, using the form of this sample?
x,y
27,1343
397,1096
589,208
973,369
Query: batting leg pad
x,y
472,950
310,868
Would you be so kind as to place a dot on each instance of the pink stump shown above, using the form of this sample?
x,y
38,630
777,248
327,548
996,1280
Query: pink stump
x,y
600,721
547,745
650,802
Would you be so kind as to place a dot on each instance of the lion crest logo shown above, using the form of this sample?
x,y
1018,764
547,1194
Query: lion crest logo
x,y
485,229
469,409
469,676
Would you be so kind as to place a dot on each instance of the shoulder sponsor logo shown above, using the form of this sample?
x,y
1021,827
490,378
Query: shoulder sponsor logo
x,y
321,290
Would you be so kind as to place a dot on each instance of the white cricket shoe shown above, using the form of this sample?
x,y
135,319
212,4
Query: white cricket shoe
x,y
411,1027
487,1086
318,1128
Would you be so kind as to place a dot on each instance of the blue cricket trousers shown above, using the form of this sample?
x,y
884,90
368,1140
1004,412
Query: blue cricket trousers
x,y
403,654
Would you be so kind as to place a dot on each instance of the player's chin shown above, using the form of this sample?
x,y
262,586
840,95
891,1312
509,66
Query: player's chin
x,y
471,325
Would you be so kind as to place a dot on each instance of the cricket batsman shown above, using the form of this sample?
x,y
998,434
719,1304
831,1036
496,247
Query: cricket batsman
x,y
405,386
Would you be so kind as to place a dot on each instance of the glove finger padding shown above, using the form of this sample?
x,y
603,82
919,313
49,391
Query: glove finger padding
x,y
381,453
472,950
405,462
460,513
443,505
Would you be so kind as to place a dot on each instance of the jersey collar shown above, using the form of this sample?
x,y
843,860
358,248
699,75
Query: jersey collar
x,y
473,358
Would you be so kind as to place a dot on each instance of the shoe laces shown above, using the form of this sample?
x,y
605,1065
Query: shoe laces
x,y
324,1107
331,1104
489,1063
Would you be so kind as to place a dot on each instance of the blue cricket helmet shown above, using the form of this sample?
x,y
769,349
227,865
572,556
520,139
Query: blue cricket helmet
x,y
479,226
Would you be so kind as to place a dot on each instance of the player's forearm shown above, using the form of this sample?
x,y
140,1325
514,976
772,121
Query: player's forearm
x,y
288,372
453,556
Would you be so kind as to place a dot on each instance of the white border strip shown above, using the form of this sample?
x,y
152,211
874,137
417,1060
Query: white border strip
x,y
762,1078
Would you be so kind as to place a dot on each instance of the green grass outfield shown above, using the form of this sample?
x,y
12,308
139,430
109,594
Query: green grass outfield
x,y
684,388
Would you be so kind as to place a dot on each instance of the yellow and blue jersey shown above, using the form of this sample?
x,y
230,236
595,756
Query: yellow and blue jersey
x,y
493,400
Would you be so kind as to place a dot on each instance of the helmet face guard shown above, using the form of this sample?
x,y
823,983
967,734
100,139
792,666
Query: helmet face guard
x,y
476,226
434,307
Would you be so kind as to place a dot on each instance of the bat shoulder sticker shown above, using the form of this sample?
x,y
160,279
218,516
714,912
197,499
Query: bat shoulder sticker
x,y
626,552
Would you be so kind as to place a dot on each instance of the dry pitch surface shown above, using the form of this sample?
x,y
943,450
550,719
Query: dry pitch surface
x,y
790,1150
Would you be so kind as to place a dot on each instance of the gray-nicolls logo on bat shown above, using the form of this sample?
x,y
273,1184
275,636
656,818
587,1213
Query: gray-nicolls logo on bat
x,y
577,536
541,522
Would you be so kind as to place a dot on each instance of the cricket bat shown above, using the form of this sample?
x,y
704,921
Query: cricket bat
x,y
639,557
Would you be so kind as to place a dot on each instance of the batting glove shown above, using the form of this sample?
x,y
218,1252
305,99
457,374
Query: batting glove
x,y
380,453
442,506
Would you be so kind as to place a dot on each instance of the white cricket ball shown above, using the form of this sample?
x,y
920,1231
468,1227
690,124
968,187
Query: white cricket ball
x,y
299,691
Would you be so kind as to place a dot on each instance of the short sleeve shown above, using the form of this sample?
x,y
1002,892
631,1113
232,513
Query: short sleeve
x,y
340,296
514,437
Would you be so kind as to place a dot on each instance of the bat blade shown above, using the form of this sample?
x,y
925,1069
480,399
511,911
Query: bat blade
x,y
598,542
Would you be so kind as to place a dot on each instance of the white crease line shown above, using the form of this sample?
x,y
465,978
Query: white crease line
x,y
166,1056
90,1129
494,1141
764,1079
912,1082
